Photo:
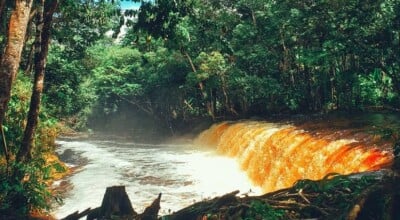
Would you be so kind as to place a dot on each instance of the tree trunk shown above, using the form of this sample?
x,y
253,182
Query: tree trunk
x,y
116,205
116,202
200,210
4,144
229,107
253,18
151,212
10,59
310,99
44,20
29,63
3,25
12,56
201,87
2,7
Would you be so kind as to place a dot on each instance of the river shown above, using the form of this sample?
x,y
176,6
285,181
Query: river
x,y
183,174
274,155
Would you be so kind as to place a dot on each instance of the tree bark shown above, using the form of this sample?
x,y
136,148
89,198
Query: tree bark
x,y
117,205
77,215
115,202
228,105
12,56
44,20
201,209
151,212
253,18
4,144
201,87
29,63
2,7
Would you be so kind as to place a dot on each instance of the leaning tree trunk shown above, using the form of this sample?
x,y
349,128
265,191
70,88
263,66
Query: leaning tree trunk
x,y
44,20
203,92
2,7
10,59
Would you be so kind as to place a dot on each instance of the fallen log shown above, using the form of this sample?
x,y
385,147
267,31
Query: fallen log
x,y
77,215
200,209
151,212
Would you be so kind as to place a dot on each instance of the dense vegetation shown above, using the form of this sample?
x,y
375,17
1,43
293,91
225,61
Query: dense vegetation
x,y
184,59
175,61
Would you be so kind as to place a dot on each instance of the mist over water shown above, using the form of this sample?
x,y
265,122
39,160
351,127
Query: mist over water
x,y
182,173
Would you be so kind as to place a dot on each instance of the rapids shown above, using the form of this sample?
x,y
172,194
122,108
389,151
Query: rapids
x,y
276,155
251,156
183,173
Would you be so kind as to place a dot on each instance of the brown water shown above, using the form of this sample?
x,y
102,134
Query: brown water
x,y
276,155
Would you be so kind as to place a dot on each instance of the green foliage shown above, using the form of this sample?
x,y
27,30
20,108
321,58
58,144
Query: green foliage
x,y
17,111
250,57
68,92
160,18
115,74
181,59
335,181
81,23
250,91
344,188
261,210
24,190
375,88
319,46
15,121
23,187
213,64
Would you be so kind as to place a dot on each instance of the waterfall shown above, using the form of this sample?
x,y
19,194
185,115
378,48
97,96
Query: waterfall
x,y
276,155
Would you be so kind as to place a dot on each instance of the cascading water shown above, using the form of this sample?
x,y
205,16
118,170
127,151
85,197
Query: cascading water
x,y
277,155
274,156
182,173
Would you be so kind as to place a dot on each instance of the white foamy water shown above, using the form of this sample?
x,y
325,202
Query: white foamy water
x,y
182,173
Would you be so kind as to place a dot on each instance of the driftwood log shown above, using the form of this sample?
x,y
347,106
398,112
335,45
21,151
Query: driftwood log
x,y
201,209
151,212
78,215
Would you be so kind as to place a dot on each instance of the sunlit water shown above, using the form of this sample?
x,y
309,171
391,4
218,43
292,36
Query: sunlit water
x,y
275,155
182,173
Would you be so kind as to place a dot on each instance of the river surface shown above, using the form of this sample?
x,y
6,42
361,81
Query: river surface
x,y
273,154
183,174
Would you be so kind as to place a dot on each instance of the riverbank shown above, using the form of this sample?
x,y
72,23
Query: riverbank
x,y
45,179
62,166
